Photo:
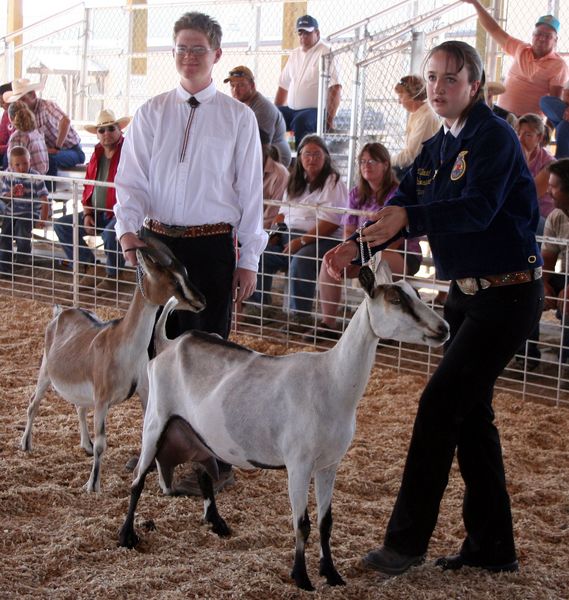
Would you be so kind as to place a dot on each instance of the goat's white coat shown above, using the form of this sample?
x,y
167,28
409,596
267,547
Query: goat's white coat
x,y
296,411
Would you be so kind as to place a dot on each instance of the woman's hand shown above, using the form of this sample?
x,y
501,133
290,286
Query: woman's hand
x,y
340,257
390,221
293,246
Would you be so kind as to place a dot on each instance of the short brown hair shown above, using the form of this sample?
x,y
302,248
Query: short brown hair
x,y
19,151
202,23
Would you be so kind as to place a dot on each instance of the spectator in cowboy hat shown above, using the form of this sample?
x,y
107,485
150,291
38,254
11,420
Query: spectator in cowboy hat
x,y
271,122
63,142
98,203
537,69
297,94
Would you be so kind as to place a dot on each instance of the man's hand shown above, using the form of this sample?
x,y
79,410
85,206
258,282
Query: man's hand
x,y
566,114
244,284
89,224
340,257
129,243
391,220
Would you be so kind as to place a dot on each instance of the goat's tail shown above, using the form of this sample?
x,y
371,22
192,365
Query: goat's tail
x,y
160,338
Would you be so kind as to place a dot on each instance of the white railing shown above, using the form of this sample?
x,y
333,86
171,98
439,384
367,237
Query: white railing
x,y
47,275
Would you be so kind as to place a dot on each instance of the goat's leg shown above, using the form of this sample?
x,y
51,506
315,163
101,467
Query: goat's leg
x,y
99,416
127,535
86,442
33,407
211,515
298,482
324,485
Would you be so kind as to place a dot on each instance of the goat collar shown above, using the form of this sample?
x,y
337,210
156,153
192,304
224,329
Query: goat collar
x,y
140,279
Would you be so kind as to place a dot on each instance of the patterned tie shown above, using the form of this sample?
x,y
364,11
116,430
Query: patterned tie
x,y
194,103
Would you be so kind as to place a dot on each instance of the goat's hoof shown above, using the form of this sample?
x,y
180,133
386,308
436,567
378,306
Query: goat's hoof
x,y
332,576
221,529
302,581
128,539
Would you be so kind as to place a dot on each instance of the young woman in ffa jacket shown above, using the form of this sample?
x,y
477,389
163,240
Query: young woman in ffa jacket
x,y
471,193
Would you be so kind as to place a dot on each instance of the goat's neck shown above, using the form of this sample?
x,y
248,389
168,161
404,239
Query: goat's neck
x,y
354,355
138,321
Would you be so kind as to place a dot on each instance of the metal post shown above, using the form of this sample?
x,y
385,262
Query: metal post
x,y
84,73
322,95
417,51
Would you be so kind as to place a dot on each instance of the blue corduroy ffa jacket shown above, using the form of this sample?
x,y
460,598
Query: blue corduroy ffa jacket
x,y
478,207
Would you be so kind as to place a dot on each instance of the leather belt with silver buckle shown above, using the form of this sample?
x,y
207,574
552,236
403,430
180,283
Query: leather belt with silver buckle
x,y
471,285
193,231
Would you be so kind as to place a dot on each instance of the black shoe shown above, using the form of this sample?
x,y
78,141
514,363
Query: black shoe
x,y
457,561
390,561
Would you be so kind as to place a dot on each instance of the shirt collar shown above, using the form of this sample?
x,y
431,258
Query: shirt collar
x,y
202,96
456,128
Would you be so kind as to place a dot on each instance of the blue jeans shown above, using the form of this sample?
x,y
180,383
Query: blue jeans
x,y
69,157
553,108
303,268
20,230
105,224
301,122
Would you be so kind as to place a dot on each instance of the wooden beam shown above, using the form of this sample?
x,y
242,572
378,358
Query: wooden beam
x,y
15,22
139,36
291,12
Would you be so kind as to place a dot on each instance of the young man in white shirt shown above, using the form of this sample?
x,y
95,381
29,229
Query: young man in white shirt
x,y
297,95
191,175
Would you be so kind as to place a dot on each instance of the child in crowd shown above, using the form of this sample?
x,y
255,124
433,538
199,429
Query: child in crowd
x,y
25,133
556,285
24,204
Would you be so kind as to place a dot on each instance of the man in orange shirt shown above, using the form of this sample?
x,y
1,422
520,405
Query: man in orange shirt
x,y
537,69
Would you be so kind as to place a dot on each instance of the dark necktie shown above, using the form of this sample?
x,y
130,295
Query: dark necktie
x,y
194,103
444,145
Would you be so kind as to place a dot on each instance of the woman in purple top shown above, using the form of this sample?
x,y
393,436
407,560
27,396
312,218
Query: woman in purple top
x,y
377,184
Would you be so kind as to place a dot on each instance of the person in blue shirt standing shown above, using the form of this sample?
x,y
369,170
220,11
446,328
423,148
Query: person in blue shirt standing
x,y
471,193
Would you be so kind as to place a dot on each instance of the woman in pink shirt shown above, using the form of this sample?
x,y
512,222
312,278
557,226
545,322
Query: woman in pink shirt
x,y
531,132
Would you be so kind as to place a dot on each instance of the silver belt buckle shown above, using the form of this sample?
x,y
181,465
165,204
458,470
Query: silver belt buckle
x,y
469,285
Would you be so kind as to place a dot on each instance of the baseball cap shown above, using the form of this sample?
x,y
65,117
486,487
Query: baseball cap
x,y
239,73
307,23
550,21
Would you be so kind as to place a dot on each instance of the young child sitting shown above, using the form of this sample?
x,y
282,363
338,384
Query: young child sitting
x,y
24,204
557,226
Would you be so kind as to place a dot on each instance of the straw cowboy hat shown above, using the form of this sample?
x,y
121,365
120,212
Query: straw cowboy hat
x,y
107,117
495,88
20,87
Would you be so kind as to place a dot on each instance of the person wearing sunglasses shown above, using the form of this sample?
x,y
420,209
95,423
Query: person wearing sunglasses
x,y
98,217
537,70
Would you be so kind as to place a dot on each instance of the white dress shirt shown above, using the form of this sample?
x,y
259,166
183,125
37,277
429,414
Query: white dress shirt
x,y
301,74
219,180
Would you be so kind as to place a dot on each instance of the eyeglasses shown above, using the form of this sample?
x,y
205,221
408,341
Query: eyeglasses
x,y
312,154
370,162
106,128
195,50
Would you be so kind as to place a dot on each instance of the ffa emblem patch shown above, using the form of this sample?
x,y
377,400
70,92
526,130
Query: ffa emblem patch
x,y
459,167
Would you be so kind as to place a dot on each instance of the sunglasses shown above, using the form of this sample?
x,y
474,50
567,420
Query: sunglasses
x,y
106,128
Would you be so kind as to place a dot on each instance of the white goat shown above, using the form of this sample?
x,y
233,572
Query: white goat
x,y
257,411
92,363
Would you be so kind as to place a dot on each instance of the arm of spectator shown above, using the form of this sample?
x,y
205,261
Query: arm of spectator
x,y
549,260
323,229
89,221
555,90
332,104
541,180
63,130
281,97
489,23
44,212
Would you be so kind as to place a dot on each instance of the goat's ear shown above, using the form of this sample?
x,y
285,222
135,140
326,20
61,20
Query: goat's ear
x,y
367,280
383,274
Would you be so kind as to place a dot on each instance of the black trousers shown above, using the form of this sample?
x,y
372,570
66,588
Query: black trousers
x,y
455,414
210,261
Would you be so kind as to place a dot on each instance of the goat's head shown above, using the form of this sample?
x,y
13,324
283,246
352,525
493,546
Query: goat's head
x,y
166,276
396,312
